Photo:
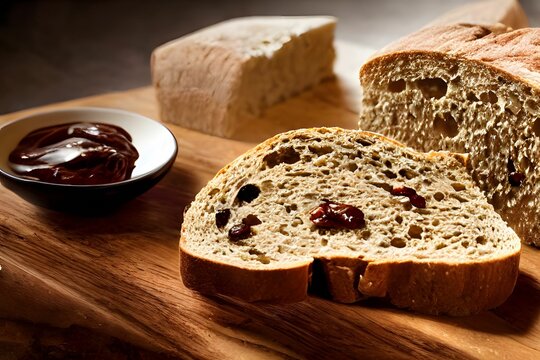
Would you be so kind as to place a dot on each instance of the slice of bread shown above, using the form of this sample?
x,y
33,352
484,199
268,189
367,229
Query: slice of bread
x,y
467,88
256,229
217,79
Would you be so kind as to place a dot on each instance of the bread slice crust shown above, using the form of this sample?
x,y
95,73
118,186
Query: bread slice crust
x,y
454,286
425,287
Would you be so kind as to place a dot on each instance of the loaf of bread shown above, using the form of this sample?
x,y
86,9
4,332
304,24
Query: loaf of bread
x,y
217,79
467,88
489,12
355,213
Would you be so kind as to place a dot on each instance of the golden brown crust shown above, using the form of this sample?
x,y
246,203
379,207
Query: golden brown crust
x,y
428,287
507,12
443,288
515,53
283,285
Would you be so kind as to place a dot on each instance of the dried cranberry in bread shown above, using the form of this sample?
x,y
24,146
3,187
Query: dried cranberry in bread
x,y
473,89
379,219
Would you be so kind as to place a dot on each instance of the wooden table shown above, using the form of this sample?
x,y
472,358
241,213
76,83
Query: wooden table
x,y
118,274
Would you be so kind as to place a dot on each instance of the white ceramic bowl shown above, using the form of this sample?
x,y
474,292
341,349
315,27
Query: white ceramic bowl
x,y
156,145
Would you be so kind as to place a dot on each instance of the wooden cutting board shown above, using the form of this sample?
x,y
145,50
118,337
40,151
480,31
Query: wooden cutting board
x,y
118,273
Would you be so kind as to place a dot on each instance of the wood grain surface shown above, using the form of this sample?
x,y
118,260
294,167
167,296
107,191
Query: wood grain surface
x,y
118,273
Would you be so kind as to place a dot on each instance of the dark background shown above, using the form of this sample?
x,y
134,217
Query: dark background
x,y
58,50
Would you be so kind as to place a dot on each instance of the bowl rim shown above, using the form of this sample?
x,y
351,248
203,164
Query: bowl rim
x,y
168,163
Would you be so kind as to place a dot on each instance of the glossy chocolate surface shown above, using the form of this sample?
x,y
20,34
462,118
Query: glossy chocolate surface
x,y
76,154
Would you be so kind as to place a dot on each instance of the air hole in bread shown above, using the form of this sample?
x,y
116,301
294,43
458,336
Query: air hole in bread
x,y
364,142
366,234
389,174
399,219
489,97
297,173
320,150
465,244
481,240
440,246
439,196
290,208
435,222
407,173
481,32
445,125
397,86
432,87
383,186
398,242
472,97
415,231
297,222
536,127
352,167
458,186
261,257
254,251
524,162
461,199
285,155
454,70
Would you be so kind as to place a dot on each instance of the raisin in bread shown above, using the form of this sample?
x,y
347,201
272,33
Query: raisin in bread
x,y
379,219
216,79
466,88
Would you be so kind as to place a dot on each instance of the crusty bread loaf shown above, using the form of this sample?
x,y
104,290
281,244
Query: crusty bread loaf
x,y
471,89
335,196
217,79
489,12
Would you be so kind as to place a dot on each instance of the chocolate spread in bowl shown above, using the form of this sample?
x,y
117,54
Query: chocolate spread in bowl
x,y
76,154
